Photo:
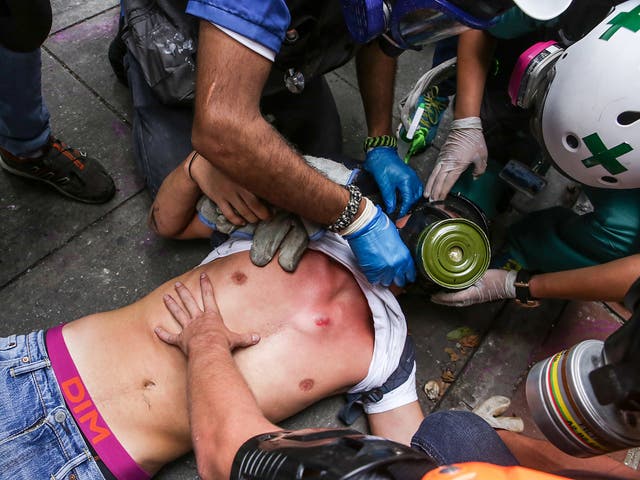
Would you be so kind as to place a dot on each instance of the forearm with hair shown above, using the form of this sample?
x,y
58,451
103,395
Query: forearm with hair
x,y
376,78
231,133
223,412
607,282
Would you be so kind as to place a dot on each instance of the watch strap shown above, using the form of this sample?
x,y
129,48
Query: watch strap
x,y
523,294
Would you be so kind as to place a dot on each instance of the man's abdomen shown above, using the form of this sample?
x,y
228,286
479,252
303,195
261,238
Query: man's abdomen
x,y
316,340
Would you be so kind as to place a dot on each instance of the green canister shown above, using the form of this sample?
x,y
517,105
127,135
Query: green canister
x,y
449,243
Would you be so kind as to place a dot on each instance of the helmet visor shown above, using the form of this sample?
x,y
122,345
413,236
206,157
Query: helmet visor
x,y
415,23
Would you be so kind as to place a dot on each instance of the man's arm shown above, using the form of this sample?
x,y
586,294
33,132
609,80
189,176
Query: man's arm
x,y
398,424
475,49
221,419
376,78
173,212
606,282
230,132
465,144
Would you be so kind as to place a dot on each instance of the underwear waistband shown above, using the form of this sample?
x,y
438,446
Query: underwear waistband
x,y
86,414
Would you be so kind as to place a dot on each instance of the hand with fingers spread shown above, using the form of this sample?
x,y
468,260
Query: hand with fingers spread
x,y
237,204
201,325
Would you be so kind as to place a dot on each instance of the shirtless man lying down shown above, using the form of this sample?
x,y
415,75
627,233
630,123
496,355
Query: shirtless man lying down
x,y
324,329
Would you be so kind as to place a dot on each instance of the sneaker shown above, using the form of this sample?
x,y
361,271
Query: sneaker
x,y
66,169
433,107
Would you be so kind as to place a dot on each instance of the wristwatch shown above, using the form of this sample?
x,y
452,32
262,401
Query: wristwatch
x,y
523,294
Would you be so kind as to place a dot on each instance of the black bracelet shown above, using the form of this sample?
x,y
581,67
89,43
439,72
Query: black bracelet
x,y
349,213
381,141
523,294
193,157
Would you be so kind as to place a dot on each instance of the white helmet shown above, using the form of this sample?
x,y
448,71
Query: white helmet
x,y
543,9
591,113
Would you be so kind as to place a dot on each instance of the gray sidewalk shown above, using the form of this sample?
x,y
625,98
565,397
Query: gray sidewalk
x,y
62,259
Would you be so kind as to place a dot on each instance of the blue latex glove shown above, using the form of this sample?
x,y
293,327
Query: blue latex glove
x,y
392,174
382,255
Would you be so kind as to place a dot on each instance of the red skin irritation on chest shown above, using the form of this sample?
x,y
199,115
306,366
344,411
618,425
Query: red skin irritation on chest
x,y
322,322
306,384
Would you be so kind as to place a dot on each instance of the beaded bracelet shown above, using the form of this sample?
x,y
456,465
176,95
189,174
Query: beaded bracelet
x,y
381,141
347,216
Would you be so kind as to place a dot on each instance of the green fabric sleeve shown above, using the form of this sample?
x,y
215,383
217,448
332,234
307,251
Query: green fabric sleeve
x,y
515,23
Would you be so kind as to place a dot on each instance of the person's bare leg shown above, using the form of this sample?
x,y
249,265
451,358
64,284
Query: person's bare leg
x,y
542,455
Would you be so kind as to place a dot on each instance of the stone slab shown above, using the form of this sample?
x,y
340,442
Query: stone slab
x,y
411,66
504,355
352,119
110,264
442,349
82,48
69,12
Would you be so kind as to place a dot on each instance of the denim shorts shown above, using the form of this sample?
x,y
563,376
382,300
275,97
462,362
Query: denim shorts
x,y
39,438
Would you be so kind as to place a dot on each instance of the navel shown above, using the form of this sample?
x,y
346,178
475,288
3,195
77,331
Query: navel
x,y
149,384
238,278
306,384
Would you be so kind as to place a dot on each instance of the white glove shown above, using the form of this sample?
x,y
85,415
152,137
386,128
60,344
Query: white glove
x,y
285,234
493,285
492,409
334,171
212,216
464,145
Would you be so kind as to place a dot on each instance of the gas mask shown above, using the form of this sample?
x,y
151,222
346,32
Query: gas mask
x,y
330,454
449,243
586,400
412,24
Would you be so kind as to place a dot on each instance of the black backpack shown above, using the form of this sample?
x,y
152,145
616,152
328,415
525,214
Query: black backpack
x,y
164,40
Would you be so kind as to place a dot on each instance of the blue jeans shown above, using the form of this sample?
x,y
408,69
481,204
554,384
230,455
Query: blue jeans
x,y
39,438
457,436
24,118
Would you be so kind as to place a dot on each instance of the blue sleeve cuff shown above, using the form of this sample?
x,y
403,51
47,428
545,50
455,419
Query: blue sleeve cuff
x,y
206,221
264,22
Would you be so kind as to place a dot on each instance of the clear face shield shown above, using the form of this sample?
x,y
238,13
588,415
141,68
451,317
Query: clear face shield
x,y
412,24
416,23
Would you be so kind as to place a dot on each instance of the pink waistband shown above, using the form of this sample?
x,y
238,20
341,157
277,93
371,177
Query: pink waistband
x,y
86,414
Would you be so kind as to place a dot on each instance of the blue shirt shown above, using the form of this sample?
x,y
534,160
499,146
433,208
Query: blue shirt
x,y
263,21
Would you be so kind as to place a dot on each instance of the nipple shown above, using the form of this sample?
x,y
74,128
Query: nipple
x,y
323,322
